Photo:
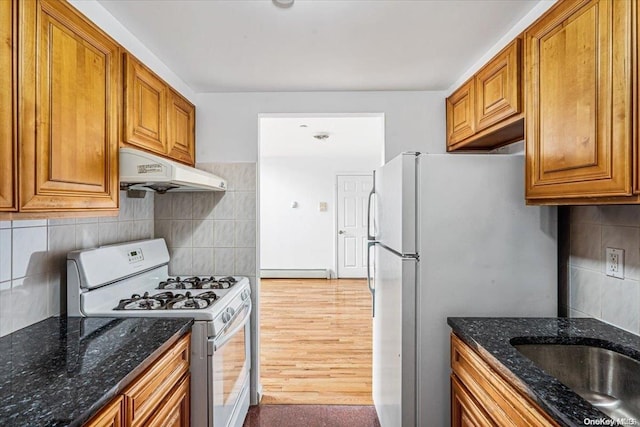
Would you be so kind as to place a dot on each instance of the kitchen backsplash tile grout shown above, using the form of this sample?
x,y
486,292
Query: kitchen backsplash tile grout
x,y
591,292
37,252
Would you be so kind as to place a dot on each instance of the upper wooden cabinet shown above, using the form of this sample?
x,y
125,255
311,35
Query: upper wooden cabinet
x,y
579,104
486,112
156,117
68,109
181,128
8,125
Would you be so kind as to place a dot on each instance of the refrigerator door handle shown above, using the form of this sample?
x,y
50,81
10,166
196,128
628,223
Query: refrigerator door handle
x,y
370,235
372,288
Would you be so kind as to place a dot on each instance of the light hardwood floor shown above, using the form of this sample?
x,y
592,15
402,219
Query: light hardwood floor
x,y
315,345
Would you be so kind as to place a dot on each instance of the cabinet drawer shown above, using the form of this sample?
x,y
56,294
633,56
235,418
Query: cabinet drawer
x,y
110,416
506,405
174,410
143,396
465,411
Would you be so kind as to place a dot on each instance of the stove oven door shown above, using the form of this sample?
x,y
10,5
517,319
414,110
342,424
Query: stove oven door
x,y
229,367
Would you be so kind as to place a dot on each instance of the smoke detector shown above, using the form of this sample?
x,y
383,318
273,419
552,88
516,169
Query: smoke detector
x,y
321,136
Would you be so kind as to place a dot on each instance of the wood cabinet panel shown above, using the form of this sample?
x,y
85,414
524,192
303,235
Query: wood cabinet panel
x,y
174,410
498,89
145,107
70,80
461,114
110,416
579,140
8,124
149,390
497,398
465,411
181,129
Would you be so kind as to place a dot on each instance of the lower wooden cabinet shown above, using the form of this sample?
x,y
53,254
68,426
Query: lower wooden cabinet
x,y
465,411
482,397
110,416
158,397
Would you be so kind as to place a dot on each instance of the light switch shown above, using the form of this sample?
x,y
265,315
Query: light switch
x,y
322,207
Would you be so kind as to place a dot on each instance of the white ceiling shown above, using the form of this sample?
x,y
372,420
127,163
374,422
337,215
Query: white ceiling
x,y
357,137
318,45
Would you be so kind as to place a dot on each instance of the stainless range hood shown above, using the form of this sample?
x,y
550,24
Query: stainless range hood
x,y
140,170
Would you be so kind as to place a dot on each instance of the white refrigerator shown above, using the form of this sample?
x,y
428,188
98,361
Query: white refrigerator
x,y
449,235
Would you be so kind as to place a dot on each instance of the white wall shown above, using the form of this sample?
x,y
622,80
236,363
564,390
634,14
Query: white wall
x,y
103,19
302,237
227,123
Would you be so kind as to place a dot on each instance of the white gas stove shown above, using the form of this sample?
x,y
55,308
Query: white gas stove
x,y
131,280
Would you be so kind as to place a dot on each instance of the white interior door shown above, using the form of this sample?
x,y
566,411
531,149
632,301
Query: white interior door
x,y
353,194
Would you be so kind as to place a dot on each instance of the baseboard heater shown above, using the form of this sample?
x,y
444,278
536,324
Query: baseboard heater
x,y
309,273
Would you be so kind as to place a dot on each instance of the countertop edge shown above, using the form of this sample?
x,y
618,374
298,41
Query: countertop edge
x,y
132,375
514,380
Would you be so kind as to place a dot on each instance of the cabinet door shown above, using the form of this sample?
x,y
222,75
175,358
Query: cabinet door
x,y
110,416
461,114
498,88
174,411
181,129
578,126
68,110
8,125
145,108
465,412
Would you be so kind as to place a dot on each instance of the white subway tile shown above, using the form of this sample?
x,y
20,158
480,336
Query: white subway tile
x,y
621,302
5,224
87,235
181,233
585,291
182,206
224,261
125,231
62,240
620,215
585,214
108,233
202,233
29,300
29,251
223,234
244,175
585,246
5,255
245,205
125,213
203,261
162,229
162,206
29,223
224,205
6,310
245,261
203,205
61,221
245,232
181,263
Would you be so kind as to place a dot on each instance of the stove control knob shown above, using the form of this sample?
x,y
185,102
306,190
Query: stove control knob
x,y
231,311
245,295
226,317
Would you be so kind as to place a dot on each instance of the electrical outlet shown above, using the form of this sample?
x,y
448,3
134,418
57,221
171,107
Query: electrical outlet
x,y
615,262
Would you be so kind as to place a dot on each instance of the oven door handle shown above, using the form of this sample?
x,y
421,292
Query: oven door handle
x,y
226,335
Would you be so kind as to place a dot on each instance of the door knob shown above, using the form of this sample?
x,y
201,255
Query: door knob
x,y
342,232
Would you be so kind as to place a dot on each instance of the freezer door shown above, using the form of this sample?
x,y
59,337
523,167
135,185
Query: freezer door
x,y
394,215
394,345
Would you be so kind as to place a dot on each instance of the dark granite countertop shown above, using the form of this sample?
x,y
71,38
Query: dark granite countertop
x,y
492,338
61,371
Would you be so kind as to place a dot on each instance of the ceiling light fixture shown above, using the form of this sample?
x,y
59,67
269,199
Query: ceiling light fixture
x,y
321,136
283,4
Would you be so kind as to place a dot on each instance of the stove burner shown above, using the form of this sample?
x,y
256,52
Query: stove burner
x,y
144,302
196,282
167,301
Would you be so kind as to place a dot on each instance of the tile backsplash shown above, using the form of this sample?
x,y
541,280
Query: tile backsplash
x,y
33,257
591,292
212,232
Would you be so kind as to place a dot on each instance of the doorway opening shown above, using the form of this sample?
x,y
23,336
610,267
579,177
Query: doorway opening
x,y
315,175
